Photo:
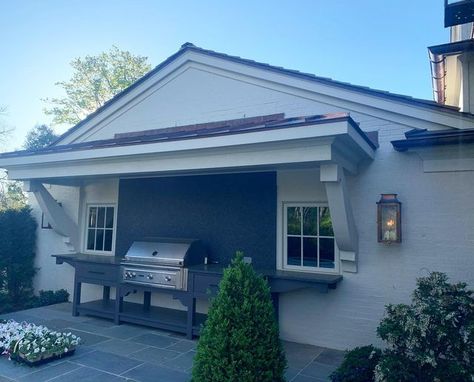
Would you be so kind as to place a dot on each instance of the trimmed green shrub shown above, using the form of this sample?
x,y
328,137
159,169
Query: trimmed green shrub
x,y
358,365
432,339
17,253
50,297
240,340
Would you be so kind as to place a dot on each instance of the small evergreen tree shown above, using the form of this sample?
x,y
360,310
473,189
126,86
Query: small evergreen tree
x,y
39,136
17,253
240,340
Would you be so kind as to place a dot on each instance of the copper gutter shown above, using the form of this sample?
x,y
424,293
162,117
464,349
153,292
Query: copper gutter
x,y
438,75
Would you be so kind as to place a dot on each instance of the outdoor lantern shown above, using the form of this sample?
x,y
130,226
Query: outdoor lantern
x,y
389,229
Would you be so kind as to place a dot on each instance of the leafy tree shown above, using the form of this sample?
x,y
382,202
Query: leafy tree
x,y
239,342
95,80
4,131
39,136
12,196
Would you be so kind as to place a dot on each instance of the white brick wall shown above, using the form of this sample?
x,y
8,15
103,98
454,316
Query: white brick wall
x,y
438,209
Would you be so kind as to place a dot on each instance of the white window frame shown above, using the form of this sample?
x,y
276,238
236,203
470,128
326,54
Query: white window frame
x,y
86,229
303,268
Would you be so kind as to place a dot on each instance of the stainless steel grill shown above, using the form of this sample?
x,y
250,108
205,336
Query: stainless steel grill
x,y
162,262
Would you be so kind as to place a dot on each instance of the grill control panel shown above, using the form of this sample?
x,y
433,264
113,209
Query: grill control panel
x,y
157,277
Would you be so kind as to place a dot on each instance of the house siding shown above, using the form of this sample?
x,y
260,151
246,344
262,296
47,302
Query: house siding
x,y
437,210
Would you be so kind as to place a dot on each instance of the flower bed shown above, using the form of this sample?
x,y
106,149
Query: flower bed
x,y
33,344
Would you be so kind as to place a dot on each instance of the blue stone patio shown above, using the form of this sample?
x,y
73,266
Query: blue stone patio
x,y
112,353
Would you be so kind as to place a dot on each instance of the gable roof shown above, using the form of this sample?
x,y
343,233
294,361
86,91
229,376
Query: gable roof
x,y
187,47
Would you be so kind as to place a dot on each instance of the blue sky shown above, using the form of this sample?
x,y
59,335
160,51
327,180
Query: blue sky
x,y
381,44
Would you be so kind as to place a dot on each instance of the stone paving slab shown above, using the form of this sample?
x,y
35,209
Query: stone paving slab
x,y
118,353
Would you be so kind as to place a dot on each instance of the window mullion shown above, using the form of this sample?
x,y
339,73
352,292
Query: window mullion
x,y
317,233
301,236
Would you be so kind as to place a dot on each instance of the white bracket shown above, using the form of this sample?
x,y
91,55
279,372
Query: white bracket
x,y
333,177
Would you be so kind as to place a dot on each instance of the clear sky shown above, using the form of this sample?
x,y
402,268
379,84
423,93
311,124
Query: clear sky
x,y
376,43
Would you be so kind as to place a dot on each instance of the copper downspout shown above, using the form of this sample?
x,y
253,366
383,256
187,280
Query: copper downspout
x,y
438,74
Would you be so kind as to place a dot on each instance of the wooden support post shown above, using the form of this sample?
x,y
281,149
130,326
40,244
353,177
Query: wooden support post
x,y
76,298
106,293
146,300
118,305
191,318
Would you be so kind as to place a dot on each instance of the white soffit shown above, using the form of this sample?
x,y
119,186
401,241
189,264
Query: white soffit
x,y
303,144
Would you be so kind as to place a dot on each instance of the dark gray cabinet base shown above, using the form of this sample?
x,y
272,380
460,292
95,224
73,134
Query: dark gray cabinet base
x,y
203,281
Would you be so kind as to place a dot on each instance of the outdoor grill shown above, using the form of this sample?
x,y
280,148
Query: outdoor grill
x,y
162,262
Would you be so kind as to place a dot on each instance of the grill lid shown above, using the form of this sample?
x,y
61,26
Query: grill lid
x,y
159,251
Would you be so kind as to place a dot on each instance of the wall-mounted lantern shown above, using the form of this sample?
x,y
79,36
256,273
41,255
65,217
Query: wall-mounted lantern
x,y
389,220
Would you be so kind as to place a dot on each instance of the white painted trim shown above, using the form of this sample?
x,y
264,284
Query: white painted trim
x,y
85,228
351,99
304,144
302,268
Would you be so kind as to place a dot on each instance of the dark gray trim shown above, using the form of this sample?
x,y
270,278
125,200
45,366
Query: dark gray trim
x,y
425,138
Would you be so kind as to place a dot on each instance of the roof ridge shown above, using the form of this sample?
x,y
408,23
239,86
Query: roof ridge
x,y
188,46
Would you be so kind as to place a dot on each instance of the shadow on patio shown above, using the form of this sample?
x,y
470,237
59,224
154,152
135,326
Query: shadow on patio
x,y
136,353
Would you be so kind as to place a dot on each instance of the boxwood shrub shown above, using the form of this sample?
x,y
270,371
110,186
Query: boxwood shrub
x,y
358,365
240,341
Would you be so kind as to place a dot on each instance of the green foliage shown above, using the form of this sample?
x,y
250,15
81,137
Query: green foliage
x,y
45,297
49,297
432,339
11,196
39,136
358,365
17,252
95,80
240,341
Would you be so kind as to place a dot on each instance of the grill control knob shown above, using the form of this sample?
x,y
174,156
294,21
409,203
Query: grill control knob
x,y
134,274
149,277
167,278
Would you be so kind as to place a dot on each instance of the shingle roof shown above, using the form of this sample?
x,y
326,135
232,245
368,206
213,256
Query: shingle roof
x,y
191,47
236,126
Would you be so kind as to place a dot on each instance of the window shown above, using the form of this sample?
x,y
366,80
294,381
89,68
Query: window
x,y
309,238
100,228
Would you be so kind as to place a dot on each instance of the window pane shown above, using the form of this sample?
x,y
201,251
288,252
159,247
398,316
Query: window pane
x,y
326,253
90,238
101,217
92,216
294,220
310,221
294,251
325,223
108,240
109,217
99,240
310,252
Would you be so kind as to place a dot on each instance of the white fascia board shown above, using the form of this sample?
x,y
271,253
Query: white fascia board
x,y
400,108
388,109
152,84
329,129
281,153
303,144
451,158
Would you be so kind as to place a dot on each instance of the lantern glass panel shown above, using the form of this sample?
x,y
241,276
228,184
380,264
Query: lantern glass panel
x,y
389,221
